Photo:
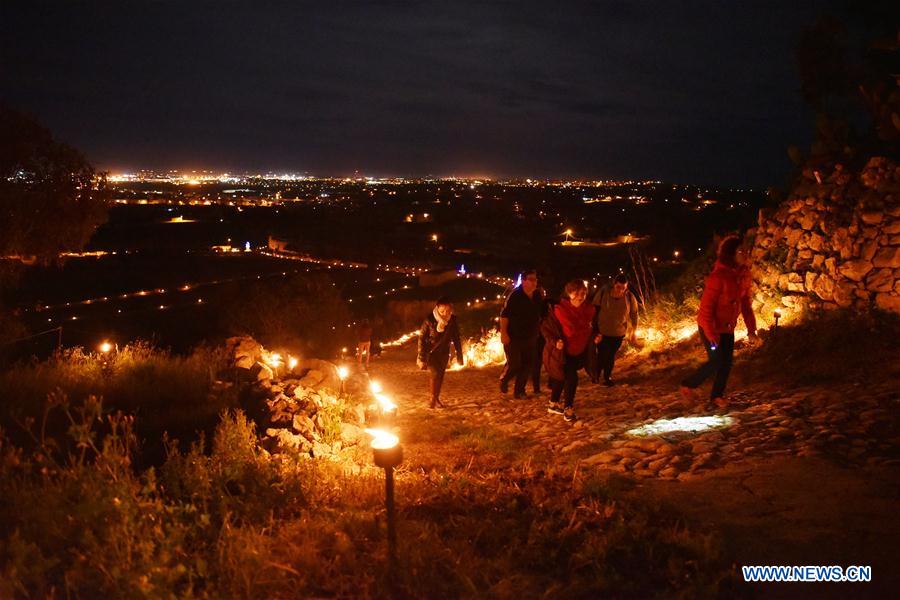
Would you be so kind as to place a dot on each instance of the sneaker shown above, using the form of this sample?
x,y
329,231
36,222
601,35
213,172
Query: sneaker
x,y
555,408
570,415
520,396
609,382
720,402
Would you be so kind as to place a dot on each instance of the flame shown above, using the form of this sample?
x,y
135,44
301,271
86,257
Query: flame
x,y
400,340
105,347
375,386
292,362
343,372
382,440
484,352
387,405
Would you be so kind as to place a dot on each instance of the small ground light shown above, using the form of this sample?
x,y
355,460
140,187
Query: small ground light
x,y
388,454
106,347
342,374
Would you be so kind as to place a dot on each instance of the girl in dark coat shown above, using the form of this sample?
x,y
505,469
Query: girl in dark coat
x,y
439,330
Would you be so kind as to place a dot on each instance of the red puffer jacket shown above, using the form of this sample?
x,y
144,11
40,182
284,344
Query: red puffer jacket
x,y
577,325
726,295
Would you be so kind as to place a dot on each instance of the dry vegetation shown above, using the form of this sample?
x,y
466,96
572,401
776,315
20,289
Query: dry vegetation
x,y
225,519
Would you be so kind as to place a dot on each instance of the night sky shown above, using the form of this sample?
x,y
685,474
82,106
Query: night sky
x,y
702,92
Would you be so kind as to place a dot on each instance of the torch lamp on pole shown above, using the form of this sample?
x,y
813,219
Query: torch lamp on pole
x,y
386,405
342,375
777,316
388,454
106,349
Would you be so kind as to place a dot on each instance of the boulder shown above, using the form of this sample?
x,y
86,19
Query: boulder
x,y
808,220
243,351
262,372
887,257
889,302
872,217
810,280
867,251
304,426
824,288
816,242
844,294
326,376
282,440
880,280
352,435
855,270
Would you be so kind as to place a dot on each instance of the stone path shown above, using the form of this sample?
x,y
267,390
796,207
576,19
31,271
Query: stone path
x,y
849,424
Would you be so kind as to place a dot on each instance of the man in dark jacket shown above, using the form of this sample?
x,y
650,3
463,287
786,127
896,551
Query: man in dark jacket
x,y
519,329
439,330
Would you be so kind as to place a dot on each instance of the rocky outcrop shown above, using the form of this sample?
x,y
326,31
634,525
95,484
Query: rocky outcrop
x,y
302,411
834,243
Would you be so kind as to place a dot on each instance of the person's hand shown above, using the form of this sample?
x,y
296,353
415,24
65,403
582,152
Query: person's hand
x,y
504,338
420,364
559,345
597,339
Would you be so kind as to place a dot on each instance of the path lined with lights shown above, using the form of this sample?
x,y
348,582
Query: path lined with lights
x,y
641,427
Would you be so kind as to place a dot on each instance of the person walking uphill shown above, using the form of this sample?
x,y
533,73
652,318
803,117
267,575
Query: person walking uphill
x,y
617,316
726,294
567,331
439,330
520,322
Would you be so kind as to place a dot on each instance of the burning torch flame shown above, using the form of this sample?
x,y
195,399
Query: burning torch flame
x,y
382,440
105,347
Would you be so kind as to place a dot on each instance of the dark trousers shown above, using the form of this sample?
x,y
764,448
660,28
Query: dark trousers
x,y
538,363
436,371
566,388
718,364
519,363
606,355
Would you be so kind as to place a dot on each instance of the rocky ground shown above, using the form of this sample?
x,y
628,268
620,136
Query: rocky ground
x,y
851,425
799,476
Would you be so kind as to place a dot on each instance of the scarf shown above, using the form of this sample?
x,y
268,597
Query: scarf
x,y
441,323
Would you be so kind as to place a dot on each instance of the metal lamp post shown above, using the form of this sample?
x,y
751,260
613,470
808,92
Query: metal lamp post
x,y
388,454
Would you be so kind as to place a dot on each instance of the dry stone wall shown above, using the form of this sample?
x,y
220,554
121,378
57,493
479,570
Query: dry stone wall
x,y
835,242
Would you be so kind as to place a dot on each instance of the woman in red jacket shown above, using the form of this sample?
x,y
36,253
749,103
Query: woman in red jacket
x,y
567,331
726,294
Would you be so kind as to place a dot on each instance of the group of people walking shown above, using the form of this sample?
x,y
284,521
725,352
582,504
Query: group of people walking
x,y
572,334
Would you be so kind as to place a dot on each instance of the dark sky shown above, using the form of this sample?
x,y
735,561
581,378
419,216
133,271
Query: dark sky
x,y
681,91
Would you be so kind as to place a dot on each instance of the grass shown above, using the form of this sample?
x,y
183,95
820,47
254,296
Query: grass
x,y
78,520
166,392
838,346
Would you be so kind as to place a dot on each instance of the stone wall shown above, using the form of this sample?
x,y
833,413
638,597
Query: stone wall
x,y
835,242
